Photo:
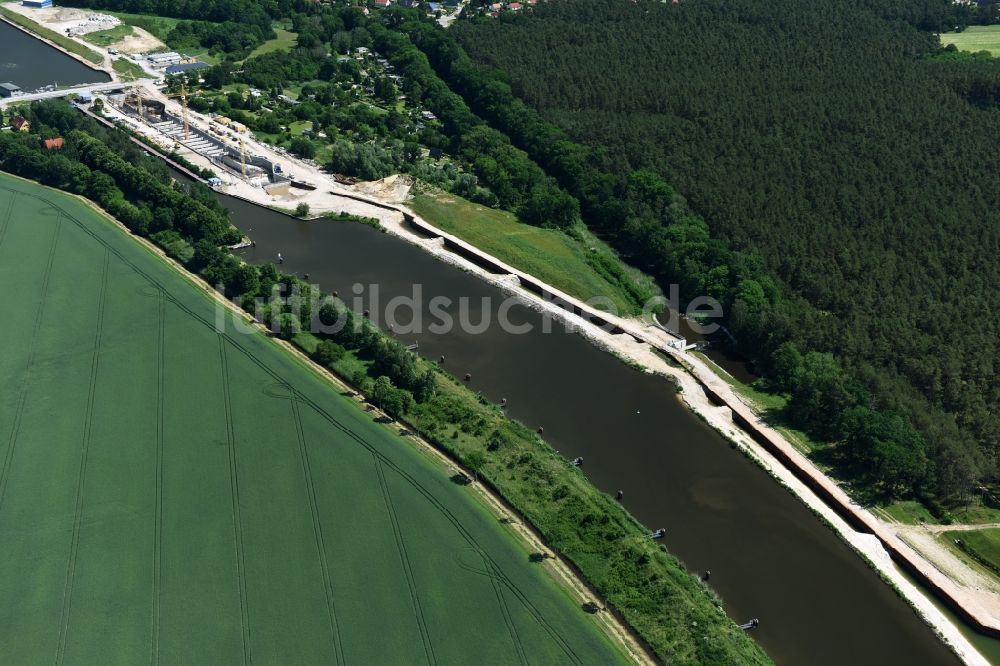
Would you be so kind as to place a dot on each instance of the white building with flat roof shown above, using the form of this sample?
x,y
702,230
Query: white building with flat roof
x,y
163,59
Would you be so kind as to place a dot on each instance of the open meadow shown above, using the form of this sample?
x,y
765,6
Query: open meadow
x,y
578,264
975,38
173,493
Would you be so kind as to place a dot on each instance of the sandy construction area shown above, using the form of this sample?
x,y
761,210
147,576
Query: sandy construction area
x,y
139,41
61,19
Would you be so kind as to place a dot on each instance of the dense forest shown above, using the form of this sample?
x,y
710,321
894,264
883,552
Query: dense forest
x,y
846,161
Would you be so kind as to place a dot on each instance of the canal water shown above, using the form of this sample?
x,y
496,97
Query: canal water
x,y
31,63
770,558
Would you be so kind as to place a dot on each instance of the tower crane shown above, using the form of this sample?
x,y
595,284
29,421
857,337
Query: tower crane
x,y
184,108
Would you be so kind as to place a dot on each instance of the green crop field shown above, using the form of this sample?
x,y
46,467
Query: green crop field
x,y
975,38
170,492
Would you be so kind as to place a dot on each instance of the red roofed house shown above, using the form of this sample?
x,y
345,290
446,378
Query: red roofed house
x,y
381,3
514,6
54,144
496,6
20,124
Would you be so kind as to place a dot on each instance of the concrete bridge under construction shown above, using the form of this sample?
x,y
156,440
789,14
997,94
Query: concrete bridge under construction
x,y
111,86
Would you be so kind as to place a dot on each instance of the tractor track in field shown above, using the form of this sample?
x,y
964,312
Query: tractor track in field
x,y
237,519
380,457
317,528
6,217
88,430
504,608
154,641
22,397
405,560
492,571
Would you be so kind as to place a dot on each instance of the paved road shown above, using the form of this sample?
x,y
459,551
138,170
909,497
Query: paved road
x,y
93,87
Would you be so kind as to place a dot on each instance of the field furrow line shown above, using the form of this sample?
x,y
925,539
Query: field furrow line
x,y
88,429
540,618
154,642
317,528
235,492
22,397
405,560
505,610
6,217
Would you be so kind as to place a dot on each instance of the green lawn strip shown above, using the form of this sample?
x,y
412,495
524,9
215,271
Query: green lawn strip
x,y
297,127
976,512
981,545
909,512
550,255
264,515
975,38
157,26
284,41
109,36
61,40
128,68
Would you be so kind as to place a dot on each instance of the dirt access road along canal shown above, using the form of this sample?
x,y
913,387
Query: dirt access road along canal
x,y
770,558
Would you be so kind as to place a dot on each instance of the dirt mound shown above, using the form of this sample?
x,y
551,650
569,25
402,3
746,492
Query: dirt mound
x,y
393,189
139,41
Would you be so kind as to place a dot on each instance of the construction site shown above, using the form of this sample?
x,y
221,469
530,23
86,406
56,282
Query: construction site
x,y
223,143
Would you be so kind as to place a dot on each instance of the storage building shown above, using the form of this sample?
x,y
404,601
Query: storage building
x,y
8,89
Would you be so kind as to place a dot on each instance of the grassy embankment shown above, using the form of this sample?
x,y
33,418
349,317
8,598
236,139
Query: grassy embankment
x,y
110,36
177,491
975,38
577,264
982,545
913,512
128,69
61,40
